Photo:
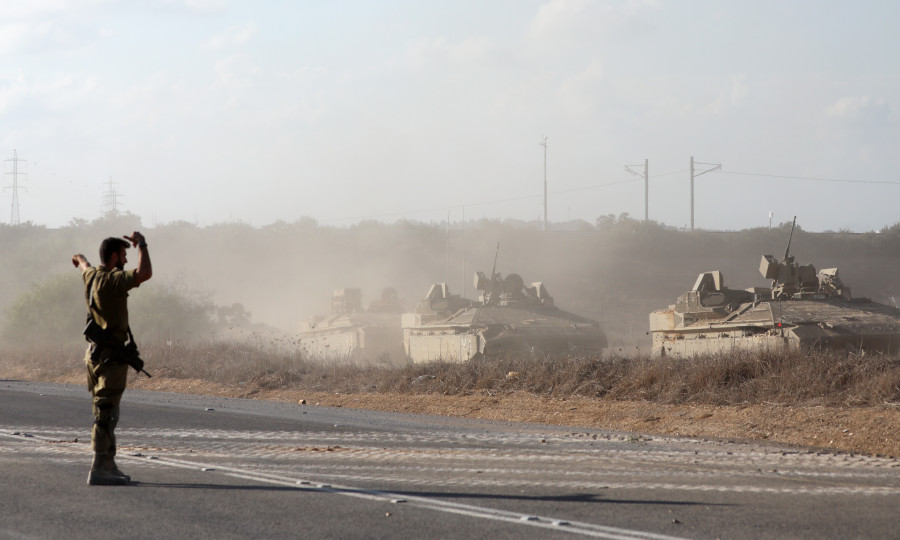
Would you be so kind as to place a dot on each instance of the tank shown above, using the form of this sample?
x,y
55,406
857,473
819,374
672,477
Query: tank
x,y
801,310
508,317
353,334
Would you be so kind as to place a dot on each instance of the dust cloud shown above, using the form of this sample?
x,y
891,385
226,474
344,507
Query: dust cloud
x,y
616,270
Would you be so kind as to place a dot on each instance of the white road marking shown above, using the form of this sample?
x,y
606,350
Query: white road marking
x,y
555,469
575,527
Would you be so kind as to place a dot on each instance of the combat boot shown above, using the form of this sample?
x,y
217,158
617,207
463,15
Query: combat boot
x,y
115,470
105,473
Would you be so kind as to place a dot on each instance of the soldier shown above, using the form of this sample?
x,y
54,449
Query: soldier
x,y
106,292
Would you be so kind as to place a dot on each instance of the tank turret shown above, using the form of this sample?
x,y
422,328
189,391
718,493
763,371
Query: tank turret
x,y
800,309
346,301
510,291
509,316
388,303
353,334
792,280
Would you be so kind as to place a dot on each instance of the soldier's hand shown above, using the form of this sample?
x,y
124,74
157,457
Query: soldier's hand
x,y
78,261
135,238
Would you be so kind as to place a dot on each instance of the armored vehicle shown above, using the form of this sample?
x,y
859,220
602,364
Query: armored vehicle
x,y
508,317
353,334
800,310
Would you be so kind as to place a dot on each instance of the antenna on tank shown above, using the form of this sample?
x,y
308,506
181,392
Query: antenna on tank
x,y
787,250
496,255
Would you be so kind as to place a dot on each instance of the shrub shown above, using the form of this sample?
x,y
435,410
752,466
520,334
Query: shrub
x,y
53,312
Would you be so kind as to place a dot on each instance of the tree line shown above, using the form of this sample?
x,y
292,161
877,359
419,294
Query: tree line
x,y
616,270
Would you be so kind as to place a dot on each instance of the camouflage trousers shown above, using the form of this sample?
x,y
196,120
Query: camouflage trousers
x,y
106,382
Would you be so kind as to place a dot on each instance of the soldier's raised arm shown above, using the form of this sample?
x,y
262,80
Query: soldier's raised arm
x,y
80,262
144,268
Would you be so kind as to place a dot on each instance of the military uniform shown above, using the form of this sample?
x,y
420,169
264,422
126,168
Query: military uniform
x,y
106,291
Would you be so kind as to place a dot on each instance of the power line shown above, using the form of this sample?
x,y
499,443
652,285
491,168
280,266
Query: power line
x,y
694,174
600,186
646,178
479,203
586,188
814,179
679,171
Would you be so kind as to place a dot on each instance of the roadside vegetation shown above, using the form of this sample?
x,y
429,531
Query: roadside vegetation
x,y
821,378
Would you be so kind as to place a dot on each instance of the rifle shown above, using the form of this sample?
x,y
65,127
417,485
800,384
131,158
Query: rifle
x,y
122,352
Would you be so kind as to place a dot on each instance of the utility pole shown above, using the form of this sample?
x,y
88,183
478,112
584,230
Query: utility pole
x,y
111,199
544,144
447,269
14,214
462,242
694,174
646,177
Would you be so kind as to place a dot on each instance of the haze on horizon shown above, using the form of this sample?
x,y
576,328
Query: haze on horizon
x,y
215,110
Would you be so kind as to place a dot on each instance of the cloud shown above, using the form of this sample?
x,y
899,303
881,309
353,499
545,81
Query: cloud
x,y
635,6
441,52
197,6
41,9
230,71
13,36
54,94
733,95
23,37
61,91
12,91
53,35
557,16
860,109
236,76
44,9
238,35
134,98
739,90
580,20
581,93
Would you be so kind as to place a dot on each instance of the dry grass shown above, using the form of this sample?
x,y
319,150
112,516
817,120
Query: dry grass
x,y
829,400
818,378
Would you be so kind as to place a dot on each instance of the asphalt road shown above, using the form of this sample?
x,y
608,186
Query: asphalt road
x,y
207,467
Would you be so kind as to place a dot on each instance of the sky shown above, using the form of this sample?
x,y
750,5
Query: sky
x,y
212,111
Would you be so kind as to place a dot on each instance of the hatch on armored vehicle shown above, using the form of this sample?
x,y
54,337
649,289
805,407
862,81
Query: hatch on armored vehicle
x,y
508,317
353,334
801,309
